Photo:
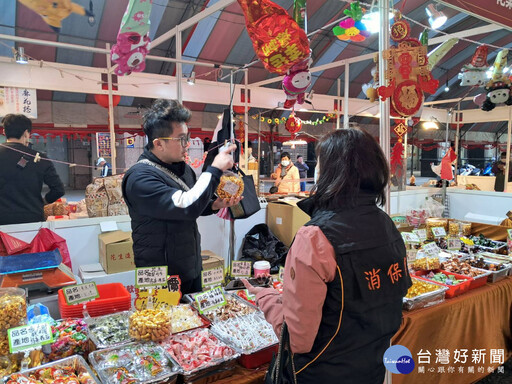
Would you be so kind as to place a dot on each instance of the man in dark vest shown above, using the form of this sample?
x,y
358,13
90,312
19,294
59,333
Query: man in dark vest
x,y
164,198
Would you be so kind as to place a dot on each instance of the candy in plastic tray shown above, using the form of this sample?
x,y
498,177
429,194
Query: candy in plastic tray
x,y
71,338
109,330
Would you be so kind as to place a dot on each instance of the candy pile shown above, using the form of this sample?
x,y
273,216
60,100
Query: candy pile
x,y
444,279
150,324
13,313
426,263
61,375
460,267
243,293
481,263
131,363
247,334
70,339
233,308
183,318
197,349
109,330
419,288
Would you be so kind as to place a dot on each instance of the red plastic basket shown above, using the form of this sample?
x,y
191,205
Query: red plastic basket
x,y
114,297
259,358
453,290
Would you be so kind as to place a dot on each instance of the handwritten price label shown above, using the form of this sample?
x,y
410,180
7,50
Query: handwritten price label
x,y
439,232
509,233
151,277
421,233
241,268
281,274
29,337
80,293
212,276
454,244
410,238
431,249
210,299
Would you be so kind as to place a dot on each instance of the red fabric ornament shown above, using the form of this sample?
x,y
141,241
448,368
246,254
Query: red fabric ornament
x,y
103,100
277,39
293,124
239,109
397,159
446,164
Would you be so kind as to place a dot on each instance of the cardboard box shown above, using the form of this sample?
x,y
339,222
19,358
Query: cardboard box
x,y
96,273
211,260
116,251
284,219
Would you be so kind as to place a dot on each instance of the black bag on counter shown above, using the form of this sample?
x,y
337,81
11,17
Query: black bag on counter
x,y
250,204
261,244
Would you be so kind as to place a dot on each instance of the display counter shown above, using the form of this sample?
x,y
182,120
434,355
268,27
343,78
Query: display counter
x,y
492,204
478,321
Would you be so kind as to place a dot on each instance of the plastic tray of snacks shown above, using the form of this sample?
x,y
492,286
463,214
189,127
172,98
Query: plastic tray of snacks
x,y
498,270
200,354
235,307
73,364
435,296
454,289
184,317
71,337
245,334
109,330
137,362
464,268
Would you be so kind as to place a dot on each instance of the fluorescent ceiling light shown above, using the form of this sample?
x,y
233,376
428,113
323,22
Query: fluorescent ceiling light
x,y
371,21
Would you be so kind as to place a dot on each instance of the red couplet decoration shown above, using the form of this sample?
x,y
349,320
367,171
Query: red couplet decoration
x,y
239,109
293,125
277,39
103,100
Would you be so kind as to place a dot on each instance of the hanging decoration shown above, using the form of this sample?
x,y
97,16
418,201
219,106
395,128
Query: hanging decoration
x,y
197,162
397,152
352,28
498,89
293,124
440,51
407,75
300,13
295,84
283,120
53,12
132,46
240,132
446,164
474,73
370,89
277,39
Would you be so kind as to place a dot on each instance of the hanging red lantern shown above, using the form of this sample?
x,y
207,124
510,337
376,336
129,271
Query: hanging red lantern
x,y
103,100
293,124
239,109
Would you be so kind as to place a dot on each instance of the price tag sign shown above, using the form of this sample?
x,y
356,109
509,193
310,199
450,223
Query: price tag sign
x,y
151,277
509,233
241,268
212,276
410,238
281,274
439,232
80,293
29,337
210,299
421,233
454,244
431,249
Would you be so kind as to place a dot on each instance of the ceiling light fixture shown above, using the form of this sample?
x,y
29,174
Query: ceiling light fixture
x,y
436,18
20,56
192,79
430,125
447,87
295,142
371,21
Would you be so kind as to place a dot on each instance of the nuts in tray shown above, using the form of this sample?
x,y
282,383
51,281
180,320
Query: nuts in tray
x,y
460,267
233,308
230,186
150,324
419,288
13,311
426,263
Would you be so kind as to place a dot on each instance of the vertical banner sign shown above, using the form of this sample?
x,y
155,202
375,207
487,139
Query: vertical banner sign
x,y
29,337
18,101
80,293
103,144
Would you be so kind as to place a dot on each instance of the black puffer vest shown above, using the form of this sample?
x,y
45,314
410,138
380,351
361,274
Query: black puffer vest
x,y
363,306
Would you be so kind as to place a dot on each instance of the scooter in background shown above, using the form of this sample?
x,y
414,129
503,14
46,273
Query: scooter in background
x,y
487,171
469,170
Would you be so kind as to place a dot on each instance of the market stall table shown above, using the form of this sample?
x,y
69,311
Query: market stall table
x,y
243,375
479,321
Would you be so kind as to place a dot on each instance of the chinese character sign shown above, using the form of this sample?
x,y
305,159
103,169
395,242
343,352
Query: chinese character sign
x,y
18,101
103,144
212,276
210,299
151,277
241,268
29,337
80,293
277,39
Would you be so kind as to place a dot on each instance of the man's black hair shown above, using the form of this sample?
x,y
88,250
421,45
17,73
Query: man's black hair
x,y
158,119
16,125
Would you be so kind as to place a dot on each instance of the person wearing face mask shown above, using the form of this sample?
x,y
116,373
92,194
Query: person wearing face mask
x,y
286,176
21,179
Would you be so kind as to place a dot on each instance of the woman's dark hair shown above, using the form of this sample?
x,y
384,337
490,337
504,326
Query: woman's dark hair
x,y
16,125
351,162
285,154
158,119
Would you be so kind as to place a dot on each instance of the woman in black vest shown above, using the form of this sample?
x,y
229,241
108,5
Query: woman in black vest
x,y
346,272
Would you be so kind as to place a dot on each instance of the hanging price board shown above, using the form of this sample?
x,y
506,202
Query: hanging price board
x,y
212,276
281,274
241,268
80,293
410,238
29,337
454,244
431,249
421,233
150,277
439,232
210,299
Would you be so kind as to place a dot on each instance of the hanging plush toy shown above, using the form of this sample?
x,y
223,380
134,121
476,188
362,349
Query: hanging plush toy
x,y
498,89
132,46
371,89
474,73
295,84
53,12
352,28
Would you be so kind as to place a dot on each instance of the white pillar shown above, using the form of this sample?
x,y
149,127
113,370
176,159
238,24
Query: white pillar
x,y
346,94
179,66
111,114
